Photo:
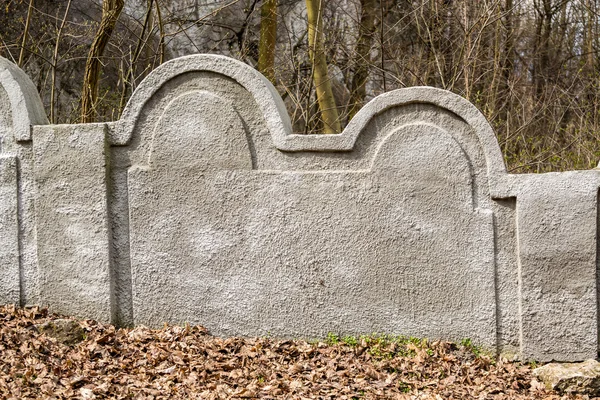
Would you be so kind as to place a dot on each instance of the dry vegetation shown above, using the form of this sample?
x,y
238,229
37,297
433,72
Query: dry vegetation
x,y
187,363
532,67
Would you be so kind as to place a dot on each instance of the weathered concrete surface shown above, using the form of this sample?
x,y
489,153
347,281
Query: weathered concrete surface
x,y
22,99
305,253
557,263
9,232
20,108
200,205
582,378
274,245
71,219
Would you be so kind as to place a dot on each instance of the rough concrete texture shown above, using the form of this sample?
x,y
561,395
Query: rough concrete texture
x,y
71,219
582,378
9,232
200,205
20,108
557,259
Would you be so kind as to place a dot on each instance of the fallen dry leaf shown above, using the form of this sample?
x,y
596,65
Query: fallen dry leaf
x,y
187,363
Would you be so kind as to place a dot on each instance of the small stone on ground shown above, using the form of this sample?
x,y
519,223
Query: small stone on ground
x,y
66,331
582,378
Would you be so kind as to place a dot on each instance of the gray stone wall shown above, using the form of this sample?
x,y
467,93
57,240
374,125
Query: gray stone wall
x,y
200,205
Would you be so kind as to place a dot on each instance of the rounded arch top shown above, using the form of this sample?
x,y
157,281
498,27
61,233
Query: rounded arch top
x,y
266,96
442,99
278,121
25,104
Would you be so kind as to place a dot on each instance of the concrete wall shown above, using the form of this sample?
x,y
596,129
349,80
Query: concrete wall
x,y
200,205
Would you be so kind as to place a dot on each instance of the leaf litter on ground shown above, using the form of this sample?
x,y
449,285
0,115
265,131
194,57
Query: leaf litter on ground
x,y
186,362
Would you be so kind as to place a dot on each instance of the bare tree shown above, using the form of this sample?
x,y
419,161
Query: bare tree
x,y
531,67
136,54
327,106
55,58
362,55
111,9
25,32
268,39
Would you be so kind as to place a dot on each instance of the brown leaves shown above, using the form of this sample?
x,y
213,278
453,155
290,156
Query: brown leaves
x,y
187,363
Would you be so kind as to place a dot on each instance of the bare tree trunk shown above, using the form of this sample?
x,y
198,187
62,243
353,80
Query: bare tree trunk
x,y
54,62
161,29
546,37
508,63
268,39
362,56
25,32
136,54
327,106
150,52
543,32
381,37
111,9
466,52
589,38
493,90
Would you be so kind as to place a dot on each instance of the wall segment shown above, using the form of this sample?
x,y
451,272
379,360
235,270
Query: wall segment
x,y
20,109
200,205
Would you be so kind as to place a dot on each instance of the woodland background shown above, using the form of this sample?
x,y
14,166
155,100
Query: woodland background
x,y
532,67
